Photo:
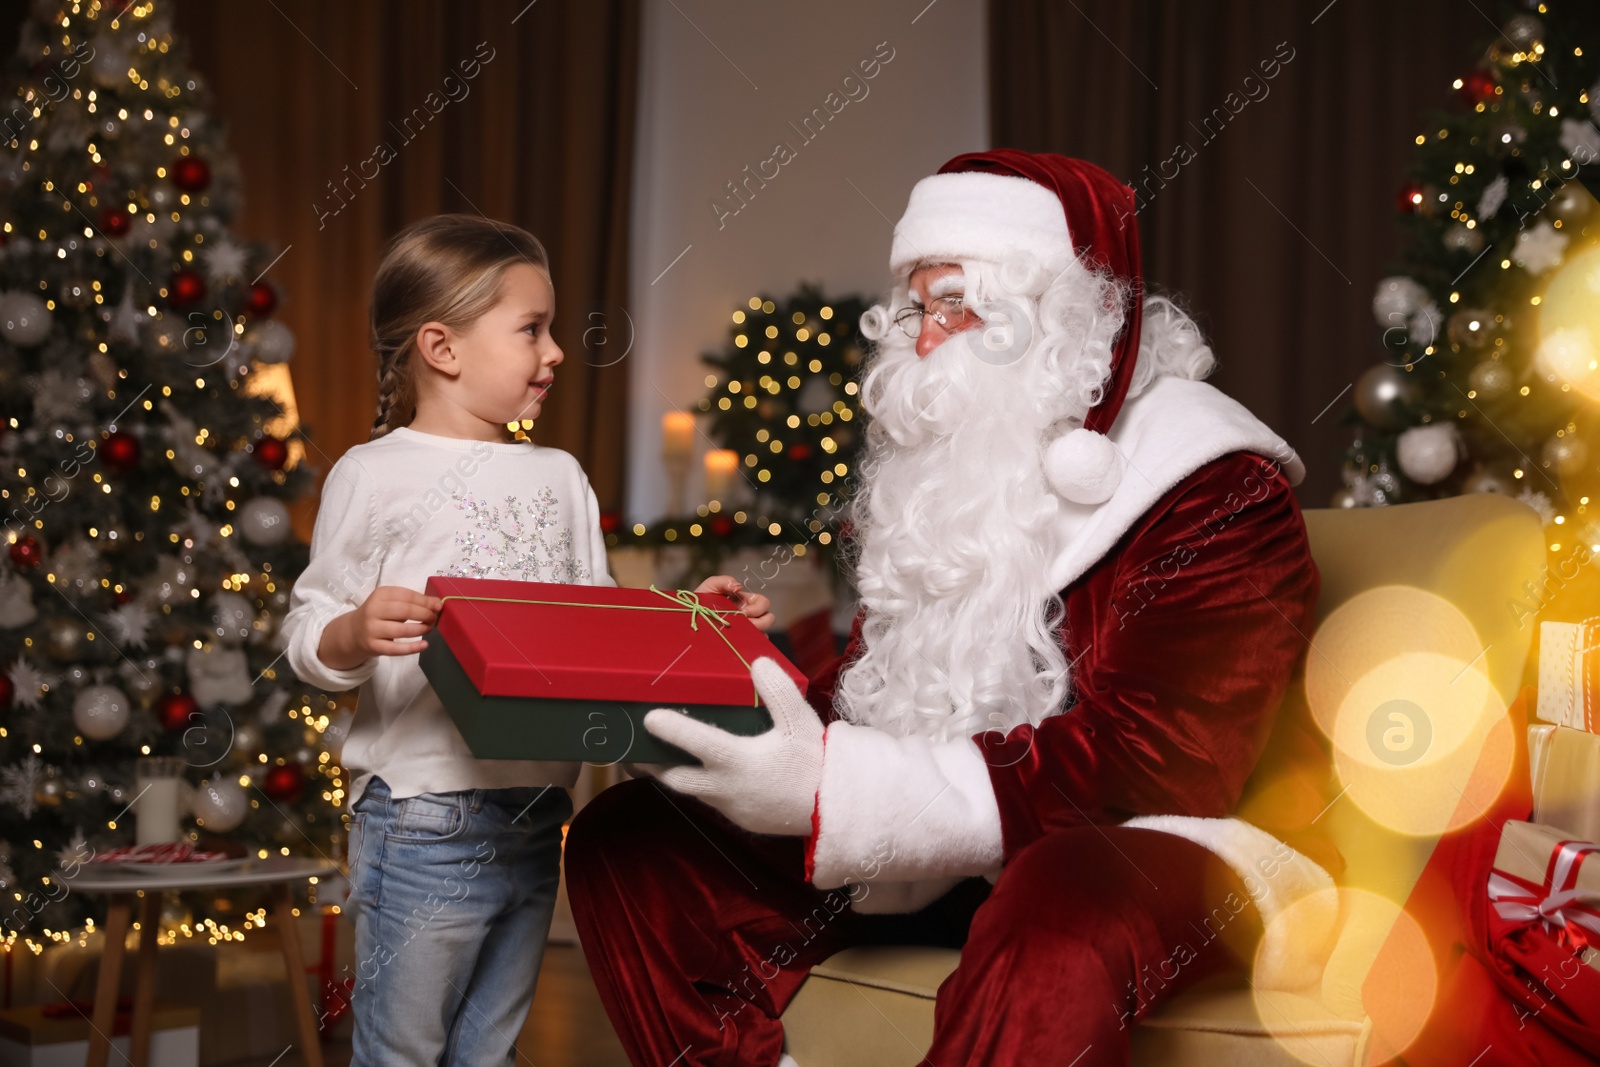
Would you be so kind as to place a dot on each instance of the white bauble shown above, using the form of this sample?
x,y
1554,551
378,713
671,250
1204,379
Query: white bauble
x,y
100,712
24,318
220,804
1429,453
1397,298
231,616
263,521
270,341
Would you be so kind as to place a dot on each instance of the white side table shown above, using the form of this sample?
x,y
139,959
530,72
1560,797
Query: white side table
x,y
282,873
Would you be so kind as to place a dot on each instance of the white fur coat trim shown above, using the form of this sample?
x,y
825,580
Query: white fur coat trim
x,y
902,809
905,819
1166,433
1297,939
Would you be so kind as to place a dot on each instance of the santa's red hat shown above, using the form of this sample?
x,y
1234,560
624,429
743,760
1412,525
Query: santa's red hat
x,y
995,205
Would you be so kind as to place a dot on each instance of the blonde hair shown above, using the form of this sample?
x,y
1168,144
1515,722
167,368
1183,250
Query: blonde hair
x,y
445,269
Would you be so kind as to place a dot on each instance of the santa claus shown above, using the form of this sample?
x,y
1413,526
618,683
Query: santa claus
x,y
1084,585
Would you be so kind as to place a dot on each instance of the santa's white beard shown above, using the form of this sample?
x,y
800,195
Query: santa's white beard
x,y
954,520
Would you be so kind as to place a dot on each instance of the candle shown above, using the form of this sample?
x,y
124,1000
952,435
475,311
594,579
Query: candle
x,y
677,434
721,463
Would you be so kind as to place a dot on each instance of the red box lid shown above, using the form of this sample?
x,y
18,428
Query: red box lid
x,y
567,649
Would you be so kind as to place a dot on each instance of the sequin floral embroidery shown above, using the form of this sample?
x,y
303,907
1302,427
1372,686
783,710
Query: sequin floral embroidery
x,y
516,540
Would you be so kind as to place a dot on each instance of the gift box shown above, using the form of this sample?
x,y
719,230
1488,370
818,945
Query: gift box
x,y
546,671
1544,894
1569,674
1565,765
57,1035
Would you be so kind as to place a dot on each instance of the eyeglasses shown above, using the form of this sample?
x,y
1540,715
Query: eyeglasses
x,y
947,311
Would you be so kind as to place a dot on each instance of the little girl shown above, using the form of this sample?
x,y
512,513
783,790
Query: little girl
x,y
454,860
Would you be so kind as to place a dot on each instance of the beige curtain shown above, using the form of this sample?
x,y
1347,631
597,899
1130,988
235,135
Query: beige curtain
x,y
522,111
1280,225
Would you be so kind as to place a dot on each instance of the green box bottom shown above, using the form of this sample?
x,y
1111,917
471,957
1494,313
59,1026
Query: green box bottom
x,y
587,731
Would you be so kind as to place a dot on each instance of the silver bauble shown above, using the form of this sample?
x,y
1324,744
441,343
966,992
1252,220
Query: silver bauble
x,y
1491,379
1380,394
231,617
263,521
1567,454
220,804
24,318
64,639
1429,453
100,712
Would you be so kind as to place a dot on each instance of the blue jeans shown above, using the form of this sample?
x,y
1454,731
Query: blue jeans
x,y
452,895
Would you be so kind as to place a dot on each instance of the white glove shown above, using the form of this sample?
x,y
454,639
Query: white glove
x,y
767,783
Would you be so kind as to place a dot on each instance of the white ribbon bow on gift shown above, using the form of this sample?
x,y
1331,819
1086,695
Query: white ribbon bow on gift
x,y
1559,904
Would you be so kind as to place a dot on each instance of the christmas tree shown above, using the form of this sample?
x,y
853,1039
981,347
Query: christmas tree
x,y
144,469
1488,328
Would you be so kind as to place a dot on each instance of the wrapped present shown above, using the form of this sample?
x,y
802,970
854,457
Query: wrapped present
x,y
1544,895
1569,674
544,671
1565,765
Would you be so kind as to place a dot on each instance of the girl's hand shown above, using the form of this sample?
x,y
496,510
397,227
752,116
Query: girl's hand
x,y
757,608
375,628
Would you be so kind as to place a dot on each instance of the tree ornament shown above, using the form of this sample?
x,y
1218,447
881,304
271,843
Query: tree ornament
x,y
1491,379
231,616
1470,327
114,221
176,711
1483,480
270,341
1478,87
1381,394
220,804
120,452
24,318
173,578
25,552
191,174
64,638
270,452
1429,453
1409,198
1571,202
1567,454
1460,237
1523,30
100,712
187,287
219,674
263,521
261,301
16,601
284,783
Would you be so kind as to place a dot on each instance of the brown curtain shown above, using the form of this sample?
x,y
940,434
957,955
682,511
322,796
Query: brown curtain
x,y
1277,229
539,133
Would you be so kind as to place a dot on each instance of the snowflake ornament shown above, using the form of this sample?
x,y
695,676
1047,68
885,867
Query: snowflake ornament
x,y
74,852
1494,196
130,624
27,682
225,260
125,319
19,782
1538,502
1580,139
1540,248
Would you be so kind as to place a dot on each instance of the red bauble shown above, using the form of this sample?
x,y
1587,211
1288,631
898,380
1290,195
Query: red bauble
x,y
799,451
25,552
610,522
114,222
186,287
271,452
120,451
122,596
721,525
1477,87
175,710
284,783
191,174
8,689
1409,197
261,301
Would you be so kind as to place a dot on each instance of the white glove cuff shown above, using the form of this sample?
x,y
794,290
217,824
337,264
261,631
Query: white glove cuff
x,y
901,809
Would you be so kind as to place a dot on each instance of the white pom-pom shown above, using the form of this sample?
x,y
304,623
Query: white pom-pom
x,y
1084,466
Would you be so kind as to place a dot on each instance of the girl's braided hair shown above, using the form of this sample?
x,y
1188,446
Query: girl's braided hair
x,y
442,269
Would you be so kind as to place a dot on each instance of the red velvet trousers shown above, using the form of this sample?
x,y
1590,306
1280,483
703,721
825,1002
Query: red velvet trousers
x,y
698,935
